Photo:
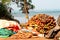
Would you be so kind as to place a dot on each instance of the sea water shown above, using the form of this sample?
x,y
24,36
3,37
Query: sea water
x,y
17,13
21,16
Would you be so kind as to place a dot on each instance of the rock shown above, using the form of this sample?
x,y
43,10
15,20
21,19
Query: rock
x,y
57,37
58,20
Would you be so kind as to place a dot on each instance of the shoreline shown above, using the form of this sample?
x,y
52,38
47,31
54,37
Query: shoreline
x,y
24,20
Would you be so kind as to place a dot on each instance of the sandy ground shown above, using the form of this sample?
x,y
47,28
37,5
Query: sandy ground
x,y
41,38
27,39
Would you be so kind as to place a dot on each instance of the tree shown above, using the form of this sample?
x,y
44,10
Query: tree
x,y
4,14
6,1
25,6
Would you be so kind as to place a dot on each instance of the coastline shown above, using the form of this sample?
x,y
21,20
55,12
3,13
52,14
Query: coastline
x,y
24,20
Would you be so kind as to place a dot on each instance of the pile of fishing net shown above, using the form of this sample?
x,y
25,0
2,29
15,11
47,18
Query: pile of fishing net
x,y
42,23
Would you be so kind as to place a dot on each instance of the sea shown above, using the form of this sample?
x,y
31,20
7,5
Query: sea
x,y
22,19
17,13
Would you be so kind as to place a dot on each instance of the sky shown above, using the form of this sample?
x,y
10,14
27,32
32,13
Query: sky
x,y
43,4
46,4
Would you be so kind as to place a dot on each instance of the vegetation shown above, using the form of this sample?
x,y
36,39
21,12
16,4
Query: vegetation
x,y
6,1
25,6
4,14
